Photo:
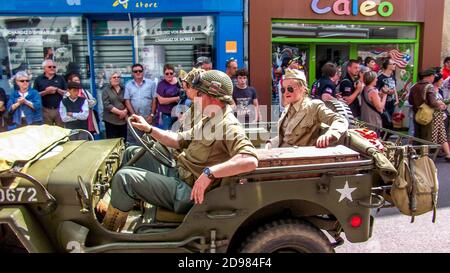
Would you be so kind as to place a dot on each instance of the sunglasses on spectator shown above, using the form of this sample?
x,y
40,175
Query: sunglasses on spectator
x,y
290,89
169,73
392,64
51,66
23,80
138,71
116,77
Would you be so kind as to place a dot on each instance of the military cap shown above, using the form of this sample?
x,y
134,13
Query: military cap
x,y
295,74
215,83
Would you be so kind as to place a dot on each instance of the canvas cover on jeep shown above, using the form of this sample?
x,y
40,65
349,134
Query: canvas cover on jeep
x,y
27,143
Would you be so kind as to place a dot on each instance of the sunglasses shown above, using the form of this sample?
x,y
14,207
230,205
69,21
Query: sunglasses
x,y
52,66
23,80
169,73
138,71
116,77
200,94
290,89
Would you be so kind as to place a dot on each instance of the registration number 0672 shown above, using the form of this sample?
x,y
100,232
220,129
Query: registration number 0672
x,y
18,195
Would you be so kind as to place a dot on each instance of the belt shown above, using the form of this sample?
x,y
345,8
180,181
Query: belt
x,y
52,107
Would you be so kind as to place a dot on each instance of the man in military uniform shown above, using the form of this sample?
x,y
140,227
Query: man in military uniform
x,y
214,148
301,121
193,114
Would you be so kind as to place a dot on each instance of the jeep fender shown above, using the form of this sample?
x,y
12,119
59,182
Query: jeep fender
x,y
26,228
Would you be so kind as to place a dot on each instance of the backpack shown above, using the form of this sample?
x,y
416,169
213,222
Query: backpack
x,y
415,190
315,89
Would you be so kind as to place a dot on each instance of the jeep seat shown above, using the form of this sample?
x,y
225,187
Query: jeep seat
x,y
167,216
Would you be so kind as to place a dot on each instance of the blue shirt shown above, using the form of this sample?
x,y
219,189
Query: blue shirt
x,y
141,97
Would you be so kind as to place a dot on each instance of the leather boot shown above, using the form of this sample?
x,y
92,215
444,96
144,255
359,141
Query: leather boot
x,y
114,219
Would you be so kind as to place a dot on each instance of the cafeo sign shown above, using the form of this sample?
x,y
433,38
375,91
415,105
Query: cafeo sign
x,y
353,7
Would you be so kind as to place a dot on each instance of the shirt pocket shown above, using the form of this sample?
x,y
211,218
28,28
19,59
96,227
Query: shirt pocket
x,y
306,125
200,150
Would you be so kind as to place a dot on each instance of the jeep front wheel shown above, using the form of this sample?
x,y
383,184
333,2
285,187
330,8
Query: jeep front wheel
x,y
287,236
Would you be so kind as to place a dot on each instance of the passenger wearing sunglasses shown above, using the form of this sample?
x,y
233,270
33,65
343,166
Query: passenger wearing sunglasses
x,y
24,105
52,88
168,95
140,94
300,123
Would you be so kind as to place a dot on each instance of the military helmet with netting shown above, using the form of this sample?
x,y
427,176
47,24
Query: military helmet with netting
x,y
215,83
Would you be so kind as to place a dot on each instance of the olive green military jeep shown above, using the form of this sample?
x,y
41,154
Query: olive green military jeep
x,y
297,200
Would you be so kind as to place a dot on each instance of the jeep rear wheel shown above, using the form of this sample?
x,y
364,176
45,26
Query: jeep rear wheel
x,y
287,236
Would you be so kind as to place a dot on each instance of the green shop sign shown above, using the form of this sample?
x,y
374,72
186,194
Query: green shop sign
x,y
354,7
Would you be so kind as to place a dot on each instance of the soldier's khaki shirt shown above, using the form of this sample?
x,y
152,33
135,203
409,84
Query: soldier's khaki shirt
x,y
210,142
303,127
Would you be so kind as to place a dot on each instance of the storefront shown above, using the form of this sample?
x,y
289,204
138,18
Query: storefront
x,y
319,31
95,38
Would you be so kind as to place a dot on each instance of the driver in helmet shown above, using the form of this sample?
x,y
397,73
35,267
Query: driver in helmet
x,y
214,148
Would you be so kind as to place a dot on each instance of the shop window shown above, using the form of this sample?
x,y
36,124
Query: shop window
x,y
26,41
179,41
352,31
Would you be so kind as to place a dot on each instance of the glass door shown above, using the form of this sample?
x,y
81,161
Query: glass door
x,y
333,53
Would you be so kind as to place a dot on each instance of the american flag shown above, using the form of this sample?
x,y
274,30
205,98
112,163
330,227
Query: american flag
x,y
399,58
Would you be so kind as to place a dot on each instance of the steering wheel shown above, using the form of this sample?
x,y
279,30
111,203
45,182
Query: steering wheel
x,y
154,147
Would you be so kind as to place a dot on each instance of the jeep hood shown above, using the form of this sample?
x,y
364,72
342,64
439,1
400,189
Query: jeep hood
x,y
28,143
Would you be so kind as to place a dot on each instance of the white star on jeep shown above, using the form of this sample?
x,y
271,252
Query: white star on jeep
x,y
346,192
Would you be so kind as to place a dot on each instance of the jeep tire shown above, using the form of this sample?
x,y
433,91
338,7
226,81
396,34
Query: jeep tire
x,y
287,236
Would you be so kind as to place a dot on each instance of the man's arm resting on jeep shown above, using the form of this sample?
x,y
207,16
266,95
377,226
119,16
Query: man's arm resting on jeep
x,y
240,163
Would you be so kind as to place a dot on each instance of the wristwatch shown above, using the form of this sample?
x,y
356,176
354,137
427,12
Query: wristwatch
x,y
208,173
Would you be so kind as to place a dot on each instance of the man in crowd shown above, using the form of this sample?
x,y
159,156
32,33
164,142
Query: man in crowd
x,y
231,68
206,157
139,97
325,88
245,100
350,87
387,83
52,88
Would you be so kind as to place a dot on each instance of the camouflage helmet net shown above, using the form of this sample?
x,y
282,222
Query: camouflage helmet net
x,y
215,83
189,77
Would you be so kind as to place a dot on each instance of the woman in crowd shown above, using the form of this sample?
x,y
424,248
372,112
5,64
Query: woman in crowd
x,y
168,94
83,93
372,101
25,103
439,133
114,111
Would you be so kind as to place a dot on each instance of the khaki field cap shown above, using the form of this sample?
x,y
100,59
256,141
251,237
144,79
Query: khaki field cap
x,y
189,77
216,84
295,74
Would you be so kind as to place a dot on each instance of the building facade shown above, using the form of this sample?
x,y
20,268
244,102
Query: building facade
x,y
319,31
95,38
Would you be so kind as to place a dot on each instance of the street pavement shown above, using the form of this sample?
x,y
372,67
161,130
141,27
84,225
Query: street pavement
x,y
393,232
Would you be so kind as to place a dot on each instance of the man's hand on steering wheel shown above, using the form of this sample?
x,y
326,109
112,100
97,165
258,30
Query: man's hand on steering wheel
x,y
140,123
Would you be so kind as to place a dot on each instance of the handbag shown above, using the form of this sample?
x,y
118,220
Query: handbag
x,y
425,114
